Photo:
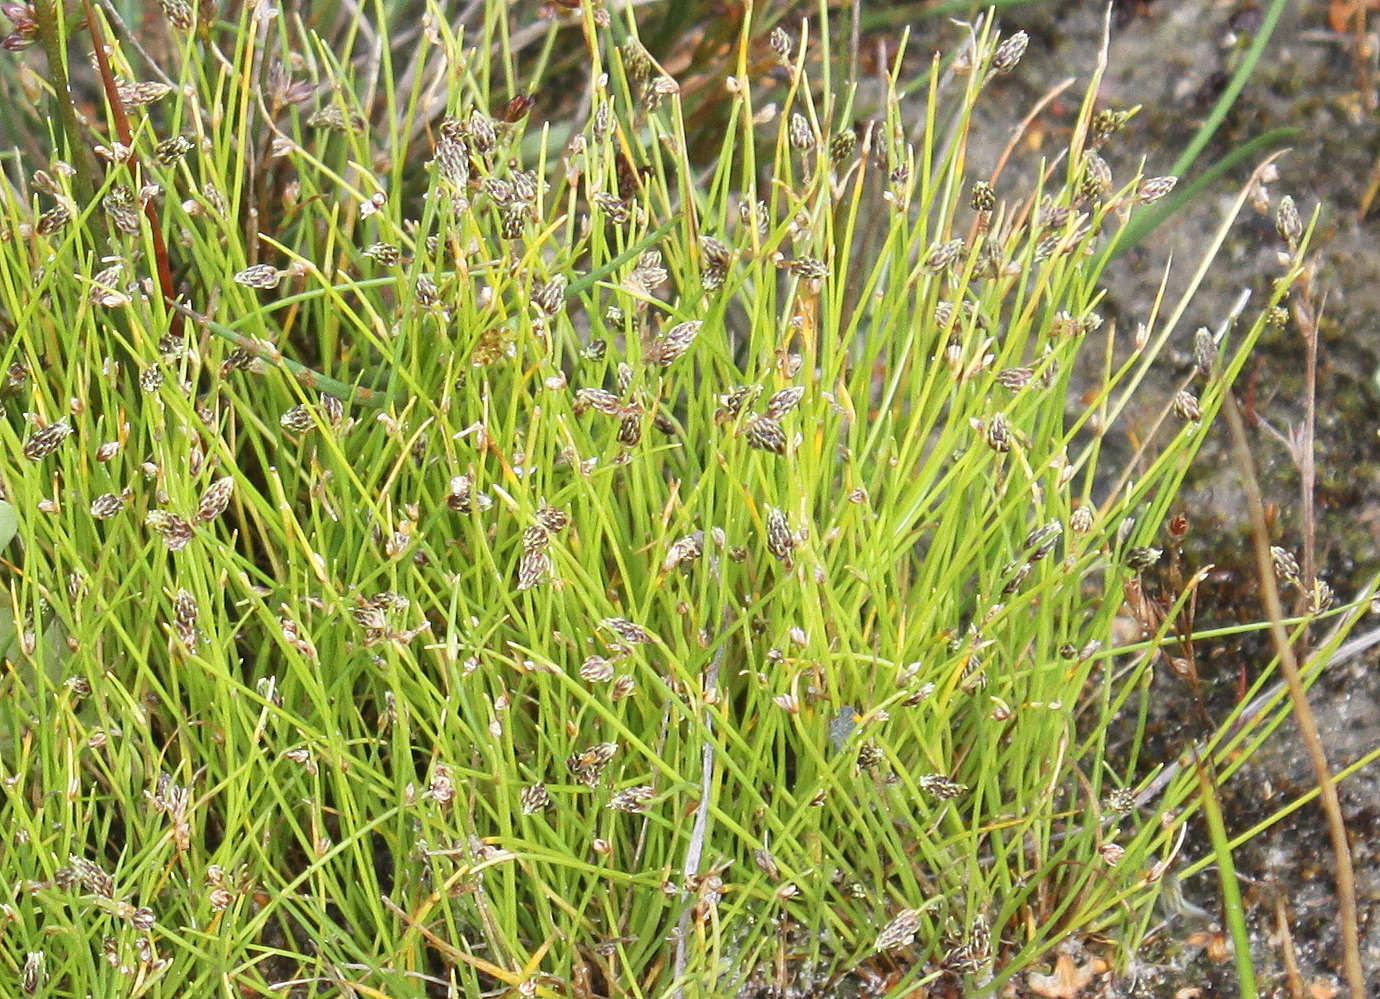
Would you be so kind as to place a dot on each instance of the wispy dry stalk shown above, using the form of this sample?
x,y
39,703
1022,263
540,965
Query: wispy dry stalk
x,y
1298,696
1306,315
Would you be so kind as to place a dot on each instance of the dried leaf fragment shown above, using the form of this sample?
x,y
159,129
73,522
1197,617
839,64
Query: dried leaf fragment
x,y
1068,980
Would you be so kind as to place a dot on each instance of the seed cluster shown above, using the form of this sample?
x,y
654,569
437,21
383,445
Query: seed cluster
x,y
122,209
588,765
899,932
45,440
535,565
175,531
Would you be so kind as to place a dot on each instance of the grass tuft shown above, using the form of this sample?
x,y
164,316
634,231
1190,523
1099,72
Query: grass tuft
x,y
447,548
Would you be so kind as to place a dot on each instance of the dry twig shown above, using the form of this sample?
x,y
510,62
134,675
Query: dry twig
x,y
1298,696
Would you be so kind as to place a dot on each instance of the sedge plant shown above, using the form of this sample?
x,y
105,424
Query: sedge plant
x,y
449,550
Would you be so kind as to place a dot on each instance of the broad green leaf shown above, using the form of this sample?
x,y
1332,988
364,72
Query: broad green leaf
x,y
9,522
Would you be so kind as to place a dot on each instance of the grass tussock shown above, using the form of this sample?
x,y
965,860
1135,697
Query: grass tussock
x,y
651,551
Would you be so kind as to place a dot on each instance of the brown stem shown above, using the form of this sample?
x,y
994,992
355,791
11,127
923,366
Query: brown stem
x,y
126,135
1365,72
1298,697
84,180
1306,317
1287,952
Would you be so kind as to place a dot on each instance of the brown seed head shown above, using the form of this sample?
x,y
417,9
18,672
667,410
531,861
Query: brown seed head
x,y
732,402
550,298
90,876
1009,52
453,160
781,44
633,799
179,14
900,932
482,134
552,519
333,411
383,253
783,402
106,505
46,440
766,435
535,798
524,184
871,756
1204,351
336,119
650,272
809,268
428,295
942,255
151,378
1015,378
174,531
105,287
618,211
596,669
535,539
941,786
983,199
674,342
441,787
780,540
628,631
1154,188
1097,176
1041,541
998,433
1142,557
599,400
298,419
171,150
1186,407
1123,799
35,973
534,566
841,146
1288,223
1286,566
1105,124
123,210
135,95
184,618
685,549
52,220
216,498
259,276
630,425
715,258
